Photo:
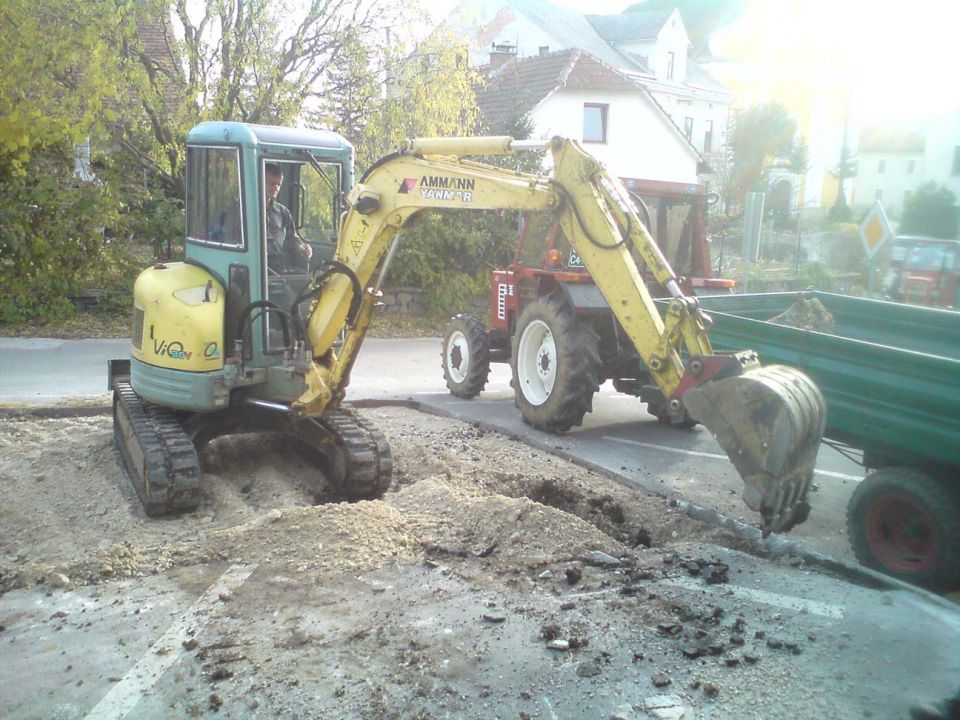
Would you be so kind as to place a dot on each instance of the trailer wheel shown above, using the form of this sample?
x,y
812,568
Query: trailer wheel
x,y
466,356
556,365
904,522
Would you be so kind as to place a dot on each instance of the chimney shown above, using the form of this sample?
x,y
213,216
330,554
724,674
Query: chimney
x,y
501,54
544,49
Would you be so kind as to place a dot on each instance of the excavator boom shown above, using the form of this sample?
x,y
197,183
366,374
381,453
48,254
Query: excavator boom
x,y
769,420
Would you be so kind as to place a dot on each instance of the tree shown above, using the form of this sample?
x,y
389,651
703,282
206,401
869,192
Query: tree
x,y
57,91
762,135
931,211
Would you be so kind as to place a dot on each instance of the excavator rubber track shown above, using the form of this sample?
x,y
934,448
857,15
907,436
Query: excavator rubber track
x,y
359,464
159,456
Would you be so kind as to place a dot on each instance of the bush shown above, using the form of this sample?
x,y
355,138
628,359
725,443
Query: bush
x,y
51,237
451,254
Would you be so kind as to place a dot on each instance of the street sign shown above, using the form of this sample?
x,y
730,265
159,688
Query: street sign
x,y
875,230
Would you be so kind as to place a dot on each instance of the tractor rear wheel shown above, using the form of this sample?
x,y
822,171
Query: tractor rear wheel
x,y
466,356
904,522
556,365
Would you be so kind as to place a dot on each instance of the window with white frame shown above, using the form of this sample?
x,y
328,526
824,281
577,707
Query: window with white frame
x,y
595,123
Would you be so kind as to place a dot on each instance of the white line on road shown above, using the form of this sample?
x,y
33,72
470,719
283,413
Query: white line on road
x,y
788,602
717,456
165,652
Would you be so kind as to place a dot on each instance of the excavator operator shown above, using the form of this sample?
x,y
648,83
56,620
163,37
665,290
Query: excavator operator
x,y
286,252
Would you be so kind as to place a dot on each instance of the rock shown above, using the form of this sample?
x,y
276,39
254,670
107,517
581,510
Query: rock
x,y
588,669
221,674
560,645
715,573
190,644
225,596
622,712
660,680
732,661
737,640
494,618
215,701
274,515
692,652
567,606
573,574
665,707
774,643
602,559
545,575
751,659
760,634
60,580
711,690
549,631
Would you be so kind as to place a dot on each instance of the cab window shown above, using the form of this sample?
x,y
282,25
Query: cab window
x,y
214,214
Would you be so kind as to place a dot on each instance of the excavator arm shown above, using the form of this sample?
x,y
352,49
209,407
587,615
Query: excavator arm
x,y
768,420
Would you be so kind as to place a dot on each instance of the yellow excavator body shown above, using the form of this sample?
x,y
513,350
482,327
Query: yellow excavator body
x,y
178,318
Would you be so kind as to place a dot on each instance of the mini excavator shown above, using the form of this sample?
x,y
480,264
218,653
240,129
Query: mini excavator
x,y
224,343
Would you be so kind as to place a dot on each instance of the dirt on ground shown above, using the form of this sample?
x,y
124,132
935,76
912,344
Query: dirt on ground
x,y
492,580
77,515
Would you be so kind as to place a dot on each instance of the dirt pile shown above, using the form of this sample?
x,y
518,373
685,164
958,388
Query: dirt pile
x,y
806,314
76,516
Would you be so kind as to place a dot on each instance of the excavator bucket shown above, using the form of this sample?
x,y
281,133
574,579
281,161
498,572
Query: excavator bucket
x,y
769,421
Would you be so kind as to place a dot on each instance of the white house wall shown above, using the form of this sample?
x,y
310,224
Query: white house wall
x,y
680,104
895,181
942,137
640,143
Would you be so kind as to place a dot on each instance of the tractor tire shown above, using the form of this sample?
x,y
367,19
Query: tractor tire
x,y
465,356
903,522
555,364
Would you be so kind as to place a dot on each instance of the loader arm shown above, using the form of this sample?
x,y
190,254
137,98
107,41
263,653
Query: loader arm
x,y
768,421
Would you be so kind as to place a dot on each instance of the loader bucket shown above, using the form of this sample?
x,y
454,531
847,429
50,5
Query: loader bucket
x,y
769,421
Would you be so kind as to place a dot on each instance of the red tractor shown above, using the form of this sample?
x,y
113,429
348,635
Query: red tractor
x,y
924,271
552,324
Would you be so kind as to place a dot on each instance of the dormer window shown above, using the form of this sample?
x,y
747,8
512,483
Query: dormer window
x,y
670,60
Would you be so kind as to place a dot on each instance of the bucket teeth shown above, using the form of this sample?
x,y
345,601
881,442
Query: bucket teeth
x,y
769,421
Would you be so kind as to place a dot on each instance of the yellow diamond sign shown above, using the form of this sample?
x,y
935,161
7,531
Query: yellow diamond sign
x,y
875,230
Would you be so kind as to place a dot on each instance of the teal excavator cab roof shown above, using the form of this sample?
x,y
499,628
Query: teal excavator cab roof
x,y
254,135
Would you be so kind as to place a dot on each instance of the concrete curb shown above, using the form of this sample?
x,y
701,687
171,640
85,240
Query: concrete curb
x,y
773,546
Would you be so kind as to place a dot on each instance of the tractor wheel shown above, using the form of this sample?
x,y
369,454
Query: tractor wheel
x,y
466,356
904,522
556,365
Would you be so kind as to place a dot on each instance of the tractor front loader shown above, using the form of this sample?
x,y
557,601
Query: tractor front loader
x,y
222,345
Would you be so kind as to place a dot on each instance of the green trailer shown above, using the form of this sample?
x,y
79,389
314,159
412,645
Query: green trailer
x,y
890,374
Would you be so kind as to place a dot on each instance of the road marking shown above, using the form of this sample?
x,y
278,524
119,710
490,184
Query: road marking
x,y
717,456
788,602
553,715
165,652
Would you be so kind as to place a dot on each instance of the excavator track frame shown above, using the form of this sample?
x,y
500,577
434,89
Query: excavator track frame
x,y
159,456
160,450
